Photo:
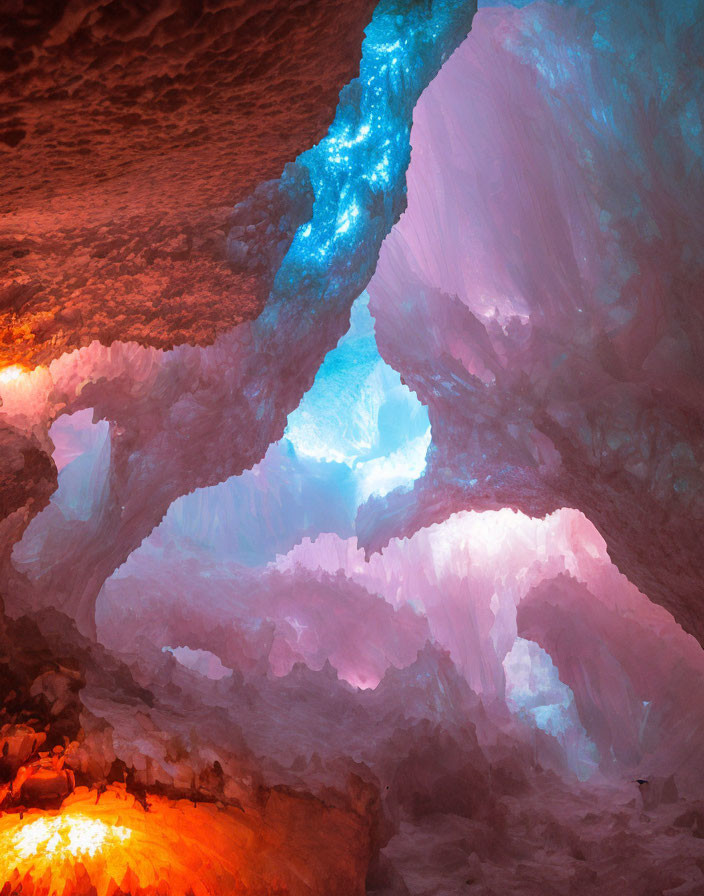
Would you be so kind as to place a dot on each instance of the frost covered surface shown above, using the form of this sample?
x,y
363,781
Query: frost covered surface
x,y
161,120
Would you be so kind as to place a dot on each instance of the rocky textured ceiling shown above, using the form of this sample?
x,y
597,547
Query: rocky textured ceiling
x,y
128,131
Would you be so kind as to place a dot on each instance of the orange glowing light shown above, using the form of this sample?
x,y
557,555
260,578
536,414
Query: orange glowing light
x,y
102,845
64,836
112,841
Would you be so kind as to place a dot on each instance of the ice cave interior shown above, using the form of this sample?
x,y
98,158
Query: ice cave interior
x,y
352,448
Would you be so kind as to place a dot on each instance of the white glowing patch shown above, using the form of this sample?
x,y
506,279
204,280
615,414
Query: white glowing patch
x,y
66,836
24,395
201,661
10,374
401,468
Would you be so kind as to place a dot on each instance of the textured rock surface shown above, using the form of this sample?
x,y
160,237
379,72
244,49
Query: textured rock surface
x,y
126,137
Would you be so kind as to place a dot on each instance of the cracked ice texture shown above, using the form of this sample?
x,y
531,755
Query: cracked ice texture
x,y
542,292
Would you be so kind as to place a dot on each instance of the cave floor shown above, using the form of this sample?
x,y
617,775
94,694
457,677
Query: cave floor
x,y
556,842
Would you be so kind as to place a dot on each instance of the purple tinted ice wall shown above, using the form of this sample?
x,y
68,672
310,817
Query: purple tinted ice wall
x,y
542,292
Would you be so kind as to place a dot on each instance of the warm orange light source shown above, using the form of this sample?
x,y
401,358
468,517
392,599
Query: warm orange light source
x,y
12,373
63,836
108,844
42,851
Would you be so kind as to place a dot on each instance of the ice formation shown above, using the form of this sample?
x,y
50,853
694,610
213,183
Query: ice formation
x,y
351,543
551,260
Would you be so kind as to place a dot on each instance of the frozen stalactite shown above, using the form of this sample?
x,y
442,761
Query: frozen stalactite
x,y
466,575
461,584
357,431
258,620
325,679
399,717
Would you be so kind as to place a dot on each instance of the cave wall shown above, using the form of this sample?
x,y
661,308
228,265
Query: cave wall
x,y
549,264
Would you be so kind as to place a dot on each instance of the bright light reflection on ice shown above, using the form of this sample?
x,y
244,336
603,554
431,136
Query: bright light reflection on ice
x,y
535,692
10,374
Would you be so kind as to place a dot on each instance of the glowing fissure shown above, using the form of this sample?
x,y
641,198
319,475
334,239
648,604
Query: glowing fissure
x,y
358,170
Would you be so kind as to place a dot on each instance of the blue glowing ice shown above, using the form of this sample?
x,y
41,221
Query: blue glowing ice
x,y
259,371
358,431
360,414
358,170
